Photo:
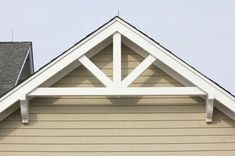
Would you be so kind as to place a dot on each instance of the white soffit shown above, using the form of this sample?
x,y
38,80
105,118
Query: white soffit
x,y
113,26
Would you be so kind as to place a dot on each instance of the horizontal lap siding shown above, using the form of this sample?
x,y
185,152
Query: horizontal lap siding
x,y
145,125
118,153
111,126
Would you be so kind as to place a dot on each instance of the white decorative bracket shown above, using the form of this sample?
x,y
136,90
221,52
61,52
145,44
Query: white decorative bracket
x,y
24,109
209,107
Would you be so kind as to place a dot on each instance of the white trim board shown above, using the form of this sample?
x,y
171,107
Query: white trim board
x,y
131,91
110,28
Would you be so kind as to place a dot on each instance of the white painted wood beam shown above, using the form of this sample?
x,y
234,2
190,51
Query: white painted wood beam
x,y
209,107
95,71
24,109
132,91
138,70
117,73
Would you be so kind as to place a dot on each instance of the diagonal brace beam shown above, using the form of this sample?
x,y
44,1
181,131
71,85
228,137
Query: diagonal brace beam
x,y
138,70
95,71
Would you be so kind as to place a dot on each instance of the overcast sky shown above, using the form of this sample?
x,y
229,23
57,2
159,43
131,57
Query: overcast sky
x,y
201,32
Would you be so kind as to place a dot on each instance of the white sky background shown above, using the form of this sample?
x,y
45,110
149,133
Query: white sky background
x,y
201,32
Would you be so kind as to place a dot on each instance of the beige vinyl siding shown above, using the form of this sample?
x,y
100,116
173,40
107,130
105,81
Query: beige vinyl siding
x,y
113,126
117,126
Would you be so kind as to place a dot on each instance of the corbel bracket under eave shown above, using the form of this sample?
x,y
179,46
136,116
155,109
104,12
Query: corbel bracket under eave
x,y
210,107
24,109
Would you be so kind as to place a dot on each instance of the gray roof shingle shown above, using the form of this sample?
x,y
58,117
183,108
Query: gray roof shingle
x,y
12,55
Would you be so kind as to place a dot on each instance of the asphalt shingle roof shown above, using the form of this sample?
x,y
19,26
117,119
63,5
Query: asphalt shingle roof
x,y
12,55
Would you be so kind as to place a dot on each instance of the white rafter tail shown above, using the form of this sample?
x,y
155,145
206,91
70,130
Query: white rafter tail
x,y
209,107
132,91
117,73
95,71
138,71
24,109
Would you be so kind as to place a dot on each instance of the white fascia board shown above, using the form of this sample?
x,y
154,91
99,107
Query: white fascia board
x,y
176,64
115,91
57,65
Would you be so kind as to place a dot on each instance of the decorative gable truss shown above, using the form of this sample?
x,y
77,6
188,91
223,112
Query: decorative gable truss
x,y
120,32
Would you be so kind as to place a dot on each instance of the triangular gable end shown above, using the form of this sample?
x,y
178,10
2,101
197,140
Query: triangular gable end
x,y
117,31
151,77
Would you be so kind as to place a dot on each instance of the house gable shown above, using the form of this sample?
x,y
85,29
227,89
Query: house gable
x,y
118,31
